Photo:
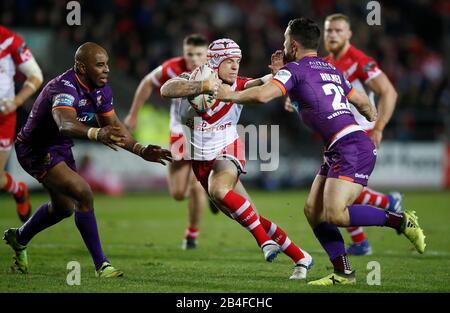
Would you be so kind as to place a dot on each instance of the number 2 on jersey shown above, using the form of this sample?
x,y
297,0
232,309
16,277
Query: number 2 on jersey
x,y
329,88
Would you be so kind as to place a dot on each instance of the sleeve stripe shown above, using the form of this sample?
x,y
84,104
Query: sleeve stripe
x,y
63,107
279,85
351,93
109,113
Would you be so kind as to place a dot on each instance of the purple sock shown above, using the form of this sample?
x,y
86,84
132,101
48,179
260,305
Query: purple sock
x,y
331,239
366,215
87,225
40,220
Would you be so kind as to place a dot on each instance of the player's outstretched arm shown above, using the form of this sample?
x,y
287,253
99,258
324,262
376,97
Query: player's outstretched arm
x,y
143,92
150,153
68,125
180,87
362,104
255,95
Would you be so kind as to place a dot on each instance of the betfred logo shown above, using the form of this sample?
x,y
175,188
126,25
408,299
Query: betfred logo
x,y
364,176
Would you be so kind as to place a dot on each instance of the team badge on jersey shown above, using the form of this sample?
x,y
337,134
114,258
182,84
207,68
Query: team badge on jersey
x,y
370,66
25,53
283,76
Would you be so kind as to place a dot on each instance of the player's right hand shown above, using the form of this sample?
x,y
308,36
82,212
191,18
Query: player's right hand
x,y
156,154
212,84
130,122
111,136
277,61
288,105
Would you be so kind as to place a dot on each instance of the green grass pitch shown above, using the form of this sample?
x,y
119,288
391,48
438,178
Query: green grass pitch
x,y
141,234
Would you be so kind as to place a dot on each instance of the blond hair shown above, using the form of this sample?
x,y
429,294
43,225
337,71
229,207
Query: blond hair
x,y
338,17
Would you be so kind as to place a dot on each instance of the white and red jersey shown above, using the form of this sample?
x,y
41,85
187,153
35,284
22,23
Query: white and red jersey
x,y
13,53
170,69
209,133
358,69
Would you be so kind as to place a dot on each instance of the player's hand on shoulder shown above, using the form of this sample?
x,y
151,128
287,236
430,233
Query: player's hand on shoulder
x,y
154,153
111,136
288,105
277,61
7,106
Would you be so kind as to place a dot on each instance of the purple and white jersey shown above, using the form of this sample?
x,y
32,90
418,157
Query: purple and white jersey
x,y
66,91
319,93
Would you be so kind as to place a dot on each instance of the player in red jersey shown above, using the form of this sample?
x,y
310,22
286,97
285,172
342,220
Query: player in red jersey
x,y
218,154
181,180
364,74
14,55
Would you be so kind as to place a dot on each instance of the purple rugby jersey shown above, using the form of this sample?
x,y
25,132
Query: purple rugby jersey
x,y
64,92
39,145
319,93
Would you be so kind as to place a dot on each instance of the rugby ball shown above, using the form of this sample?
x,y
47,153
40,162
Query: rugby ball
x,y
203,102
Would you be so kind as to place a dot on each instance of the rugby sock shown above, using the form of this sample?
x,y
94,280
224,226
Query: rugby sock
x,y
374,198
366,215
87,225
357,234
40,220
341,264
12,186
242,211
331,240
192,232
279,236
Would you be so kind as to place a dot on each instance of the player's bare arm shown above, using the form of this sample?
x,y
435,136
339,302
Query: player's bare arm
x,y
33,82
141,95
150,153
387,95
362,104
178,87
258,81
69,126
255,95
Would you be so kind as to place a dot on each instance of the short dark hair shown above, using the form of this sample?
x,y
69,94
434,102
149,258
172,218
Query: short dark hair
x,y
306,32
196,40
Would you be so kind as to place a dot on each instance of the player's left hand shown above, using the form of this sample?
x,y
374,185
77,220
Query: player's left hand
x,y
376,136
156,154
276,62
223,92
7,106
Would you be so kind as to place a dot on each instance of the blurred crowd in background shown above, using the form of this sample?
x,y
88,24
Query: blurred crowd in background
x,y
411,44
